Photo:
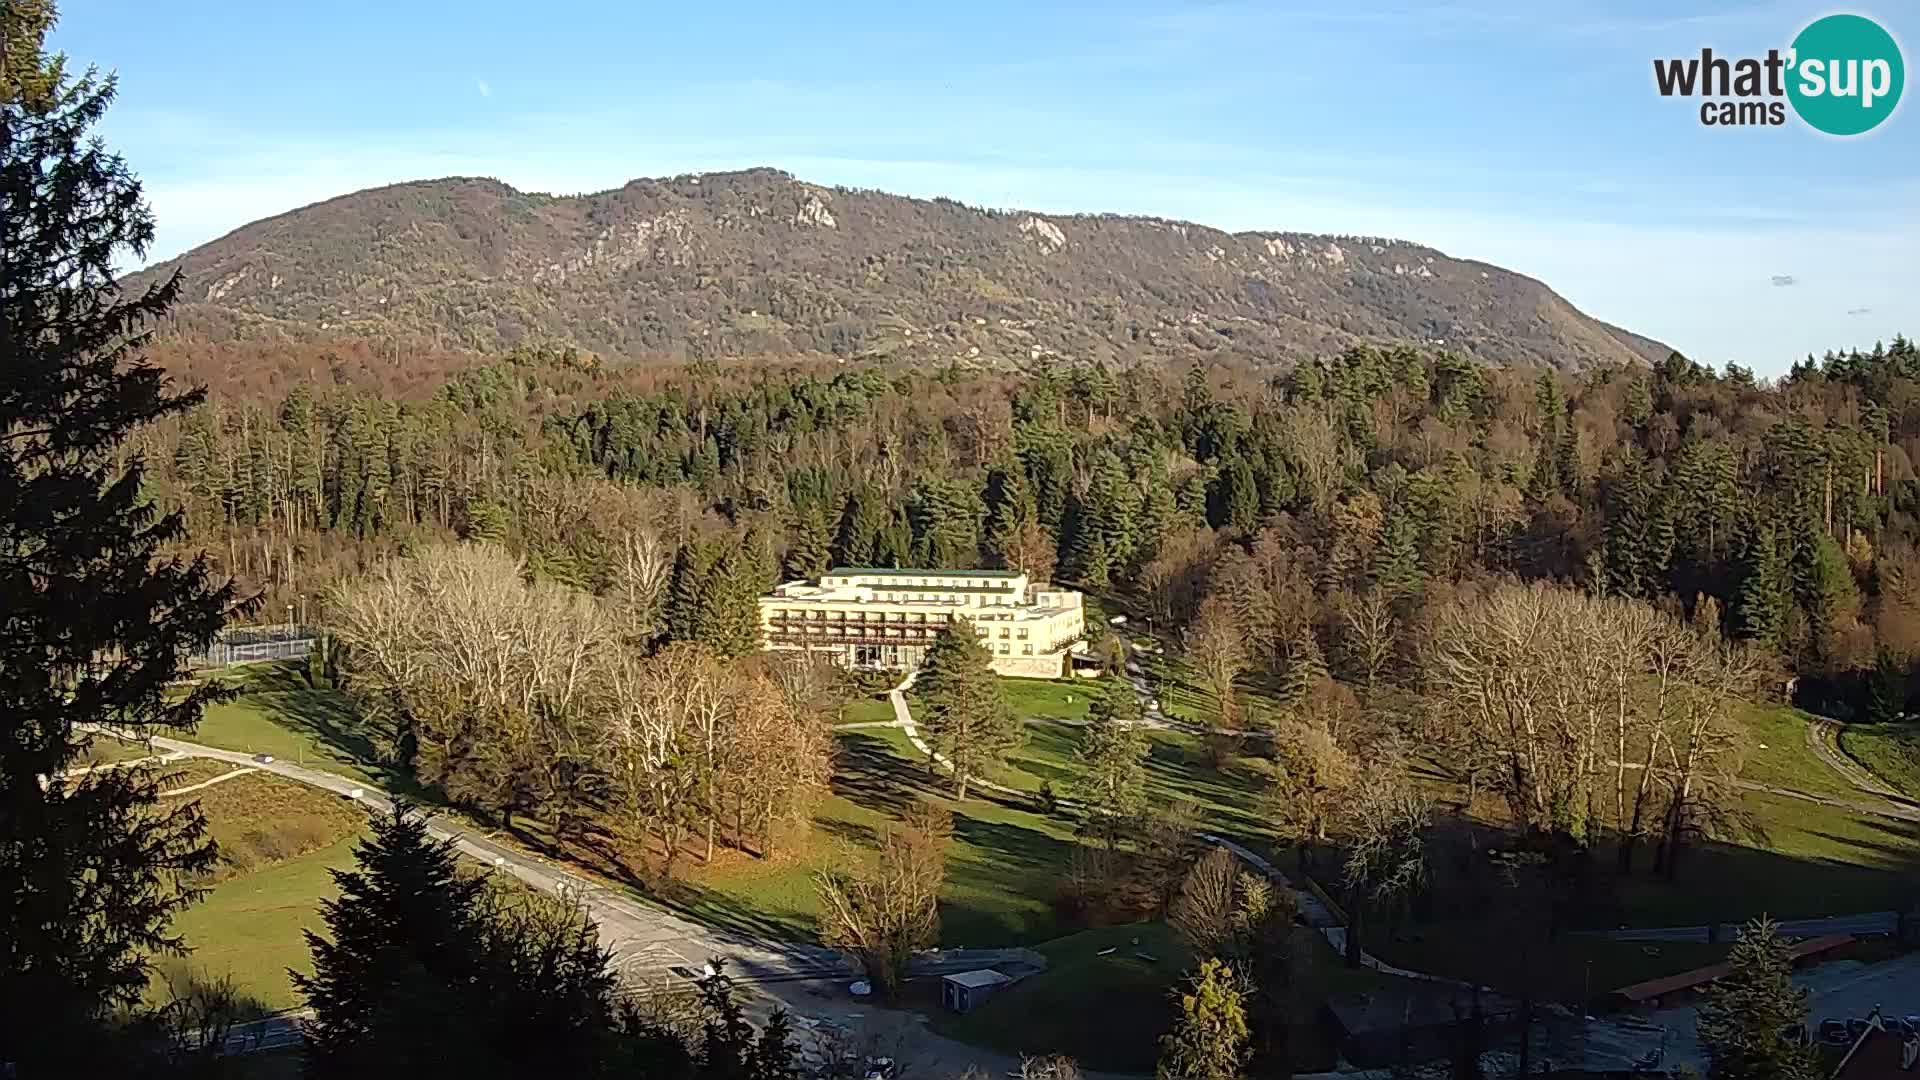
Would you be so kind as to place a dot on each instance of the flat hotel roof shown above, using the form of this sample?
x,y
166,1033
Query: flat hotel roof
x,y
890,571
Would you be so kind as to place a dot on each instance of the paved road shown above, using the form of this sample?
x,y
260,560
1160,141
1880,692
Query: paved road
x,y
1823,738
647,944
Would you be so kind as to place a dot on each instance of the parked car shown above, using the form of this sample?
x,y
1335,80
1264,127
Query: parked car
x,y
1856,1027
1834,1032
882,1068
264,759
1794,1034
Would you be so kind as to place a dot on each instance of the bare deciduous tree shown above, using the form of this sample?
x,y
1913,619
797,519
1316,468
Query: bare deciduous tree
x,y
1216,646
642,566
1312,774
1203,913
1558,688
1370,634
881,910
1384,824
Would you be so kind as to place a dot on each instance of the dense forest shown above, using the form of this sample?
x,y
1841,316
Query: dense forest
x,y
1783,512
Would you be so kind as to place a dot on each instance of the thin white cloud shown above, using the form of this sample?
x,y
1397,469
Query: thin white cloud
x,y
481,85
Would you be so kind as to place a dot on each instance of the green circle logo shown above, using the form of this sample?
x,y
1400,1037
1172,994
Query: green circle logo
x,y
1846,74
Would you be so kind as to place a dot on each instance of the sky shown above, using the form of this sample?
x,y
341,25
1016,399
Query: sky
x,y
1526,133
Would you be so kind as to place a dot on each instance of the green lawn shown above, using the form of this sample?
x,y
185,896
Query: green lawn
x,y
1003,868
278,713
104,749
250,927
867,710
1181,698
1889,751
1571,969
1177,768
1775,753
1106,1012
1050,699
277,839
1807,860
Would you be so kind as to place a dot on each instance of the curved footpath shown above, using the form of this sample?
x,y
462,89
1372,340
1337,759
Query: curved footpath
x,y
1823,738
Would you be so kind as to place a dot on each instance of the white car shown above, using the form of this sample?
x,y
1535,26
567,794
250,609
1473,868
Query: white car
x,y
264,759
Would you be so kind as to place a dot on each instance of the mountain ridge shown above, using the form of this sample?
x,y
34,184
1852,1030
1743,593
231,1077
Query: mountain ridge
x,y
759,263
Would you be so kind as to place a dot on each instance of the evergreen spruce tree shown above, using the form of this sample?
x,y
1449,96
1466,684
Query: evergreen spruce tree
x,y
1638,407
97,621
1639,535
1111,784
390,986
1306,669
808,554
1567,454
1009,507
1886,688
1083,547
1759,611
1209,1039
428,971
1740,1022
861,519
1233,498
687,589
728,618
1396,559
1544,480
1113,503
968,720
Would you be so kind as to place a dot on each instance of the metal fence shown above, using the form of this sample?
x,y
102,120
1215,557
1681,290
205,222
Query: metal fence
x,y
248,644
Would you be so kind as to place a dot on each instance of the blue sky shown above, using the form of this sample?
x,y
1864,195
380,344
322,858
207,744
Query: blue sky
x,y
1523,132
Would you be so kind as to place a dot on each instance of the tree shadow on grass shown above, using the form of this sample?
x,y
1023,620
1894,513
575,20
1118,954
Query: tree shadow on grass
x,y
868,773
1047,746
324,715
998,859
1174,773
731,915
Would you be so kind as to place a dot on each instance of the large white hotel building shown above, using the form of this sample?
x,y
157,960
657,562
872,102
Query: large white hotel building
x,y
886,619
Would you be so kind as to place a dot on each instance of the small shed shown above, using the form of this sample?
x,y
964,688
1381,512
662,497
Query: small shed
x,y
964,991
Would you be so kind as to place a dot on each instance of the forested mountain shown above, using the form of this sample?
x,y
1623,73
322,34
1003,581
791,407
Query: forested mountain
x,y
1779,513
759,264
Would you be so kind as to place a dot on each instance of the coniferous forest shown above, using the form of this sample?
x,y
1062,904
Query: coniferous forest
x,y
1783,513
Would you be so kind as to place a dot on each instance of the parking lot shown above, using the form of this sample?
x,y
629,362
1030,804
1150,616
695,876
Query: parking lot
x,y
1841,990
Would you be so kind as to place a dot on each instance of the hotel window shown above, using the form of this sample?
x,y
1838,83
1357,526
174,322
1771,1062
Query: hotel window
x,y
1023,635
1003,632
1026,650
